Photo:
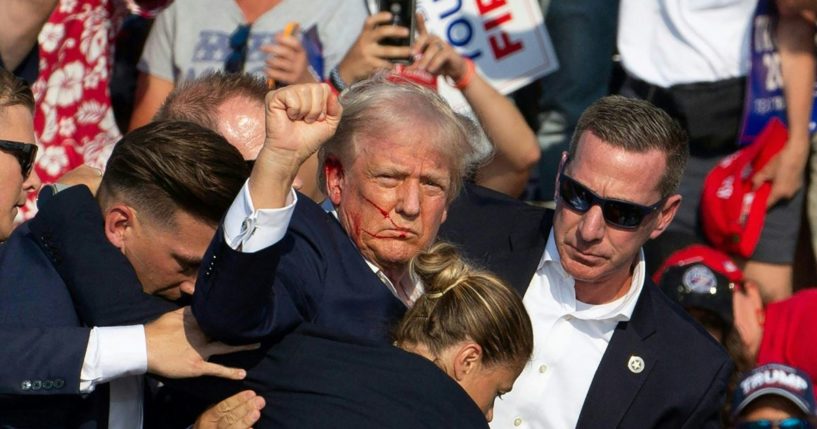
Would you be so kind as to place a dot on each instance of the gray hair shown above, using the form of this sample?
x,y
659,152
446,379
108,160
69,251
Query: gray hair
x,y
377,104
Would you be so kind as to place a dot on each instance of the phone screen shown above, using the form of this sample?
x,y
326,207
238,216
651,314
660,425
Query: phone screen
x,y
402,15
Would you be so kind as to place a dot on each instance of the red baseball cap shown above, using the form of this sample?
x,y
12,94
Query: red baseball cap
x,y
732,212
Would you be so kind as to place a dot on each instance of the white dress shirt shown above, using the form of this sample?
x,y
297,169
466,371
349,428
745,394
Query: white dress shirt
x,y
117,355
570,338
249,230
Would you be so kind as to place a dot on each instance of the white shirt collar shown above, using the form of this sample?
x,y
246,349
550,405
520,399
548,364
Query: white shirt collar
x,y
565,288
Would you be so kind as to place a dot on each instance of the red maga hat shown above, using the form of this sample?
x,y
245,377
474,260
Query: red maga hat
x,y
732,211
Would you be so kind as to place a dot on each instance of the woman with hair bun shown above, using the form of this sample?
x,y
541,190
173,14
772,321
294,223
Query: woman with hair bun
x,y
462,344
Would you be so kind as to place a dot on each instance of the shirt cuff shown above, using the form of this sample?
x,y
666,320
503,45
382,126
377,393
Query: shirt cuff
x,y
113,352
248,230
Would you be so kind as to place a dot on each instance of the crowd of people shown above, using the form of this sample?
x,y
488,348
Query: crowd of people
x,y
291,227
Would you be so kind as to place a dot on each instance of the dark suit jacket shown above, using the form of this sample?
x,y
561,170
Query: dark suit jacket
x,y
58,274
314,274
685,384
316,379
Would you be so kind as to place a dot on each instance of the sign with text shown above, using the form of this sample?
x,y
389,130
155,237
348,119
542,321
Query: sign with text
x,y
764,92
506,39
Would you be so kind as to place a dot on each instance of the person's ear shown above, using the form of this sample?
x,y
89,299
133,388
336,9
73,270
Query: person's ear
x,y
467,360
666,214
119,222
334,174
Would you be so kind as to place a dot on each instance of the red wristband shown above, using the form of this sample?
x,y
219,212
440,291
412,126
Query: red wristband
x,y
467,77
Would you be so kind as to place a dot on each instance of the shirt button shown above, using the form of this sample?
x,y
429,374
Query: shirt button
x,y
543,369
517,421
568,317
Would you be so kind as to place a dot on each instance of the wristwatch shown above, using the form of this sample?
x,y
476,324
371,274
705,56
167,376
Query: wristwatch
x,y
336,81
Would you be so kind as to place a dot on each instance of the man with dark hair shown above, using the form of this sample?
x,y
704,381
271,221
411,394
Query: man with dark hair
x,y
53,262
610,349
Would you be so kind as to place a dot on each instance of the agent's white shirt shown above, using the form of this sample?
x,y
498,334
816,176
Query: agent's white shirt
x,y
570,338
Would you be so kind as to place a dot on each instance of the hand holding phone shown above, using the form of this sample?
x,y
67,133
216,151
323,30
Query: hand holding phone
x,y
402,15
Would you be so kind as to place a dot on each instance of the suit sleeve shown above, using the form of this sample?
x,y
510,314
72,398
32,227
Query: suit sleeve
x,y
242,297
42,361
102,283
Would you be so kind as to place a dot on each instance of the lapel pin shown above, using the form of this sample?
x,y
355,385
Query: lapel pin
x,y
636,364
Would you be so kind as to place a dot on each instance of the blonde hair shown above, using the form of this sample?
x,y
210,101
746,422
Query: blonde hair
x,y
464,303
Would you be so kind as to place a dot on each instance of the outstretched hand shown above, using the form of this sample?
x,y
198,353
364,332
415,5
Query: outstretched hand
x,y
177,348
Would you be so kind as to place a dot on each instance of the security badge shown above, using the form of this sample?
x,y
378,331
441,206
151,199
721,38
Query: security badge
x,y
636,364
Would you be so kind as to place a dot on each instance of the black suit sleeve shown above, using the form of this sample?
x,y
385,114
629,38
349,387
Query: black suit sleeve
x,y
41,361
102,283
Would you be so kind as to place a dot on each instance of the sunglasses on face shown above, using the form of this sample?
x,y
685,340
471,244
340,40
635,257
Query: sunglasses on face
x,y
25,153
620,214
789,423
238,43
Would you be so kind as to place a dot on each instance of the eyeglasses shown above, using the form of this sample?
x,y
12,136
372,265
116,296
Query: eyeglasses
x,y
620,214
238,43
789,423
25,153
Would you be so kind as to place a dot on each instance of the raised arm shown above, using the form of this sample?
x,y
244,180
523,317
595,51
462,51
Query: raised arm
x,y
242,292
516,149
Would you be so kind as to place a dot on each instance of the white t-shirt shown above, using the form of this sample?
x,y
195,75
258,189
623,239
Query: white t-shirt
x,y
192,37
669,42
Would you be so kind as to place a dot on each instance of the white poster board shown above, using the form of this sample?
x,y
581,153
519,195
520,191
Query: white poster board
x,y
506,39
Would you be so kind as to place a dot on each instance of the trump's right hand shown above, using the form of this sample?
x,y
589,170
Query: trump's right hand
x,y
299,118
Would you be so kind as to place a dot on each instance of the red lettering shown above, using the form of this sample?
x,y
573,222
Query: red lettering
x,y
486,6
502,46
496,22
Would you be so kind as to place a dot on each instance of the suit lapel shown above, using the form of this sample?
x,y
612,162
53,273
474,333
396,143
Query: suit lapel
x,y
517,263
625,366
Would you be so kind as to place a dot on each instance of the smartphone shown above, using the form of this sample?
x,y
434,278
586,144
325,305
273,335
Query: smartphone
x,y
403,15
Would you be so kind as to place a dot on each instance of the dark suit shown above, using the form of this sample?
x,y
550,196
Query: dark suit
x,y
316,379
685,384
59,273
314,274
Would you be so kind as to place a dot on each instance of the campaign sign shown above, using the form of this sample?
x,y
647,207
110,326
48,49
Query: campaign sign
x,y
764,87
506,39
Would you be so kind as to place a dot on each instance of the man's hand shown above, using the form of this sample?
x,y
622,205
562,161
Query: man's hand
x,y
367,55
433,55
83,175
785,171
239,411
287,62
177,348
299,118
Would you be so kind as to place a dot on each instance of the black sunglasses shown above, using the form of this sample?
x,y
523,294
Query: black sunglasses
x,y
789,423
25,153
620,214
238,43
